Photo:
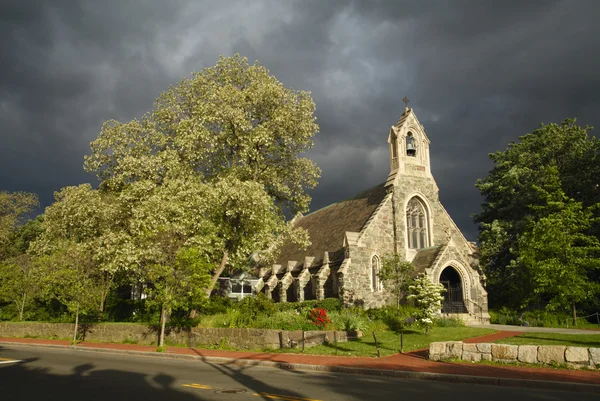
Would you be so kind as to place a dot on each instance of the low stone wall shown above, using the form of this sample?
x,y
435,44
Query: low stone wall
x,y
194,337
577,357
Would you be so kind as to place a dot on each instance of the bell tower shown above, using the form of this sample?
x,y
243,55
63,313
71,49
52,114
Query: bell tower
x,y
409,147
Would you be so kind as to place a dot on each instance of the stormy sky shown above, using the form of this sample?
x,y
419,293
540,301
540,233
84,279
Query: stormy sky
x,y
479,74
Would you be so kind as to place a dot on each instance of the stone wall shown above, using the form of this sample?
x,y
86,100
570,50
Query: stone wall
x,y
576,357
194,337
376,239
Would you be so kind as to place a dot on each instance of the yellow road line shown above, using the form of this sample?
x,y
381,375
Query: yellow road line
x,y
200,386
265,395
284,397
8,360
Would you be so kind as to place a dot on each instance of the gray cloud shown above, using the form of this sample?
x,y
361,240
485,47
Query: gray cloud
x,y
479,75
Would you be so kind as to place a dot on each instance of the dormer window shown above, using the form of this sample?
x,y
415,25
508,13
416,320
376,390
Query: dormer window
x,y
411,145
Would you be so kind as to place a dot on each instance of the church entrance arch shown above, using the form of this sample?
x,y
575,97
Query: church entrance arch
x,y
453,297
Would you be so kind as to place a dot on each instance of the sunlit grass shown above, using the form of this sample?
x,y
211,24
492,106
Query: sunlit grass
x,y
389,342
574,340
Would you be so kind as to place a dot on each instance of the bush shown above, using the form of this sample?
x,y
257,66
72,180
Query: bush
x,y
318,317
395,318
248,309
504,316
286,320
346,320
231,318
537,318
330,304
217,304
449,322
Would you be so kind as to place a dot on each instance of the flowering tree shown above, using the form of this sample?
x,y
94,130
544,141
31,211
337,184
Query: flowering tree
x,y
427,296
237,129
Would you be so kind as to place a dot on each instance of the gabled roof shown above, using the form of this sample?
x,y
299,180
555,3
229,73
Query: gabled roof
x,y
327,226
425,258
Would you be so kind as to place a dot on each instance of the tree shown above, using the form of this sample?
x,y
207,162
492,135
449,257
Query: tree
x,y
97,222
428,297
396,273
14,208
24,236
561,257
69,275
19,281
178,279
553,158
228,125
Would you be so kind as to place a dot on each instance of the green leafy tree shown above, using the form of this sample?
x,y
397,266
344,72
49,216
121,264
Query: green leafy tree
x,y
14,208
98,223
178,278
238,129
428,297
553,158
69,275
396,274
19,281
560,256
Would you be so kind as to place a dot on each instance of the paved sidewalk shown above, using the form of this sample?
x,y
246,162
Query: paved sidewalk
x,y
409,365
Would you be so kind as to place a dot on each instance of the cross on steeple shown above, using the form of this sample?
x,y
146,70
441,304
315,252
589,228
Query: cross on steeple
x,y
405,100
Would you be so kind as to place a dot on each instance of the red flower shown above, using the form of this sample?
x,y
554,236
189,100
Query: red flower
x,y
319,318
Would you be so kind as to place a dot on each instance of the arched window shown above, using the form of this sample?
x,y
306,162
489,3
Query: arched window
x,y
411,145
416,224
394,147
375,268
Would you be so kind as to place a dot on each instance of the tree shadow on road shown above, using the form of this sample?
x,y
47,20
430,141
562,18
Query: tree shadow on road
x,y
25,381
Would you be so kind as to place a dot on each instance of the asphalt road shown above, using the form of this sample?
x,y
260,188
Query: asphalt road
x,y
29,373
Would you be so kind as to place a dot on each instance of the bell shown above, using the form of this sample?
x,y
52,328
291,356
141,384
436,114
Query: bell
x,y
410,146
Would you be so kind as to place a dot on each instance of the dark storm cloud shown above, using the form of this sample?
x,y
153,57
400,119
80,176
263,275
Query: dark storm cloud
x,y
479,74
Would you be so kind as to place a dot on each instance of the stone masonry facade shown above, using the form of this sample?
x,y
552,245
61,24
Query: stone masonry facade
x,y
402,216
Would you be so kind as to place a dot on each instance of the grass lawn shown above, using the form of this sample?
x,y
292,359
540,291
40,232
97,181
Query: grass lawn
x,y
389,342
575,340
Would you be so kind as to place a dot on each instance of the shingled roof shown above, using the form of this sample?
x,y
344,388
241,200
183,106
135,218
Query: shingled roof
x,y
425,258
327,226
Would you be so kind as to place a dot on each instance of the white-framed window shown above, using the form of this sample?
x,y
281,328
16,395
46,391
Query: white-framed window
x,y
416,224
375,269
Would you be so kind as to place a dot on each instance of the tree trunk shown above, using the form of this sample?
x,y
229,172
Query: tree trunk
x,y
163,318
76,324
574,315
22,306
217,274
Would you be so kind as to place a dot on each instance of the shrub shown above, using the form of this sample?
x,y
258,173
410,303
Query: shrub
x,y
330,304
448,322
348,321
286,320
504,316
217,304
231,318
318,316
395,318
253,306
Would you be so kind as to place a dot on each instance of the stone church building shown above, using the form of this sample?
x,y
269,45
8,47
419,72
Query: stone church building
x,y
404,216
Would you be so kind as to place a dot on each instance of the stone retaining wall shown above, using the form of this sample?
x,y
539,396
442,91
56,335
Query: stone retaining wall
x,y
194,337
577,357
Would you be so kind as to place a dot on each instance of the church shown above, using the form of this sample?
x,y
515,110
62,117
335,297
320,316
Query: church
x,y
403,215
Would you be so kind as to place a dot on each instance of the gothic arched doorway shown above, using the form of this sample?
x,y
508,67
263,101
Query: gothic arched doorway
x,y
453,297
